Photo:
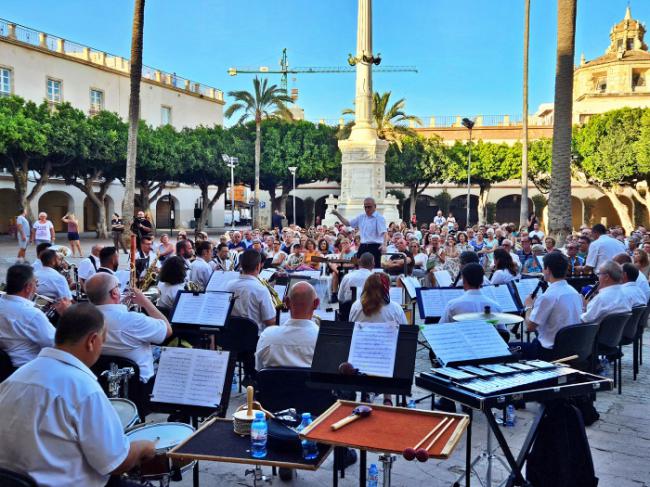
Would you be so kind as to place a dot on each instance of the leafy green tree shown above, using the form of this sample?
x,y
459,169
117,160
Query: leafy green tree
x,y
391,120
264,102
420,162
539,164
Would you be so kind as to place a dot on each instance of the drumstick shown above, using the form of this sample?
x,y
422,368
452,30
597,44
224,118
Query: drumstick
x,y
249,400
565,359
437,437
460,428
435,428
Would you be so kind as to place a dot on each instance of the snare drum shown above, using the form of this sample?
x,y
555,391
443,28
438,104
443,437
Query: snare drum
x,y
167,436
126,410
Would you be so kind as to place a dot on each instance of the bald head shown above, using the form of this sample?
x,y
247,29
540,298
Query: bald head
x,y
96,249
103,288
302,301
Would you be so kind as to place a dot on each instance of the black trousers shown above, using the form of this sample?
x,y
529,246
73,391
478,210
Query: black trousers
x,y
374,249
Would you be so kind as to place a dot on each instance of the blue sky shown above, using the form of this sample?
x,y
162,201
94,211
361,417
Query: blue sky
x,y
468,52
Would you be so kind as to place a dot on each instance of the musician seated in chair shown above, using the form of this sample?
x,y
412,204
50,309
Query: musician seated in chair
x,y
145,257
641,281
374,304
24,329
37,265
88,266
223,261
631,290
129,334
356,278
51,282
609,298
292,343
57,423
200,270
548,313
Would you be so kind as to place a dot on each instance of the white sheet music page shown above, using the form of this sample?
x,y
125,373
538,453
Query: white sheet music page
x,y
435,300
443,278
525,287
280,289
501,294
190,376
219,280
267,274
411,284
373,348
397,295
209,309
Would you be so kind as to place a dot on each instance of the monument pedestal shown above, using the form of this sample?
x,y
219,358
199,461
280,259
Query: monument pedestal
x,y
362,176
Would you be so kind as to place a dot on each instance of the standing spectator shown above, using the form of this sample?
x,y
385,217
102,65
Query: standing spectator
x,y
141,227
43,230
536,232
165,248
23,233
73,232
532,220
276,220
439,219
117,229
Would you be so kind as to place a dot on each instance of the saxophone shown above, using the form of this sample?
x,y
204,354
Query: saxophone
x,y
275,297
149,276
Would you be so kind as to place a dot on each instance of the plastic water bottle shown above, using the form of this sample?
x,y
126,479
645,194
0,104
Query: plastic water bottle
x,y
511,415
259,434
412,404
234,387
373,476
309,448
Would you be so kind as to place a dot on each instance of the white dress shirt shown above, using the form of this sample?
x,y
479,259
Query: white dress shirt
x,y
388,313
130,335
58,425
168,294
86,268
37,265
633,294
603,249
52,284
356,278
371,228
501,276
200,272
608,300
472,301
642,282
253,300
291,344
24,329
559,306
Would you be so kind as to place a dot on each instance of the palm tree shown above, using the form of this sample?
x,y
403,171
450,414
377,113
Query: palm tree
x,y
559,203
388,119
265,101
134,113
523,213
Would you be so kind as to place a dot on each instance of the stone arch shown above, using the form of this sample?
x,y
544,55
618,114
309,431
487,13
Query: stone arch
x,y
508,208
605,213
164,206
91,213
458,206
319,207
56,204
300,211
10,206
425,209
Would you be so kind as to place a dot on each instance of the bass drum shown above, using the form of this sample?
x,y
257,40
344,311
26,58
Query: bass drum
x,y
166,436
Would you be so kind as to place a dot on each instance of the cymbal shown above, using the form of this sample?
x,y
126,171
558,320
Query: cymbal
x,y
500,318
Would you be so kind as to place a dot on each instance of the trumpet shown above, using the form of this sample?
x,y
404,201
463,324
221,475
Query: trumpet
x,y
275,297
193,286
45,304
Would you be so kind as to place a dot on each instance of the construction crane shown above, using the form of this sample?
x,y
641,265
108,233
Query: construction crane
x,y
284,70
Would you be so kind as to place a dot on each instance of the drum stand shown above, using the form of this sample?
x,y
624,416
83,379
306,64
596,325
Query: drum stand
x,y
258,477
387,460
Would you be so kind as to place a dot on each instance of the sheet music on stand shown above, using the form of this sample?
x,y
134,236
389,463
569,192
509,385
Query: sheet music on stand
x,y
308,274
411,284
525,287
373,348
267,274
209,309
432,301
443,278
281,290
501,294
220,279
397,295
465,341
191,377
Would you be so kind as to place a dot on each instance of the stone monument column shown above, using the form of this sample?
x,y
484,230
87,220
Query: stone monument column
x,y
363,153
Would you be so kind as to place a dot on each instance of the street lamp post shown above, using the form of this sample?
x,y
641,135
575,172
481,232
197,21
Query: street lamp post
x,y
469,125
231,162
172,215
292,170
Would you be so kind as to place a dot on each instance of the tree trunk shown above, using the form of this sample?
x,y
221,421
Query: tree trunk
x,y
644,200
559,203
523,210
208,204
97,199
21,185
413,198
484,193
258,157
134,115
621,209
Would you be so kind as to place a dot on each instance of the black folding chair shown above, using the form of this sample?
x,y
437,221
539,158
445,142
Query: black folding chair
x,y
578,339
608,341
6,367
15,479
643,323
241,335
630,334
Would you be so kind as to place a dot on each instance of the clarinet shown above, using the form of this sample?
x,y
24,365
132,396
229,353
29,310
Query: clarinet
x,y
540,285
457,279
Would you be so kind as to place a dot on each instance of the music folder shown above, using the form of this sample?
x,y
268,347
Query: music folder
x,y
333,348
204,309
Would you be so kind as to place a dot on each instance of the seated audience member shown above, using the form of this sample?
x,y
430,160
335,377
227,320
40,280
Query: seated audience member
x,y
57,423
532,265
292,343
505,269
170,281
609,298
295,260
236,243
396,265
24,329
631,291
277,254
507,245
51,282
200,270
548,313
419,259
37,265
374,304
642,262
129,334
356,278
89,265
472,300
575,261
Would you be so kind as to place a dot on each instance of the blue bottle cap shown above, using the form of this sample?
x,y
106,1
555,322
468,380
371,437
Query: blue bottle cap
x,y
306,415
259,415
